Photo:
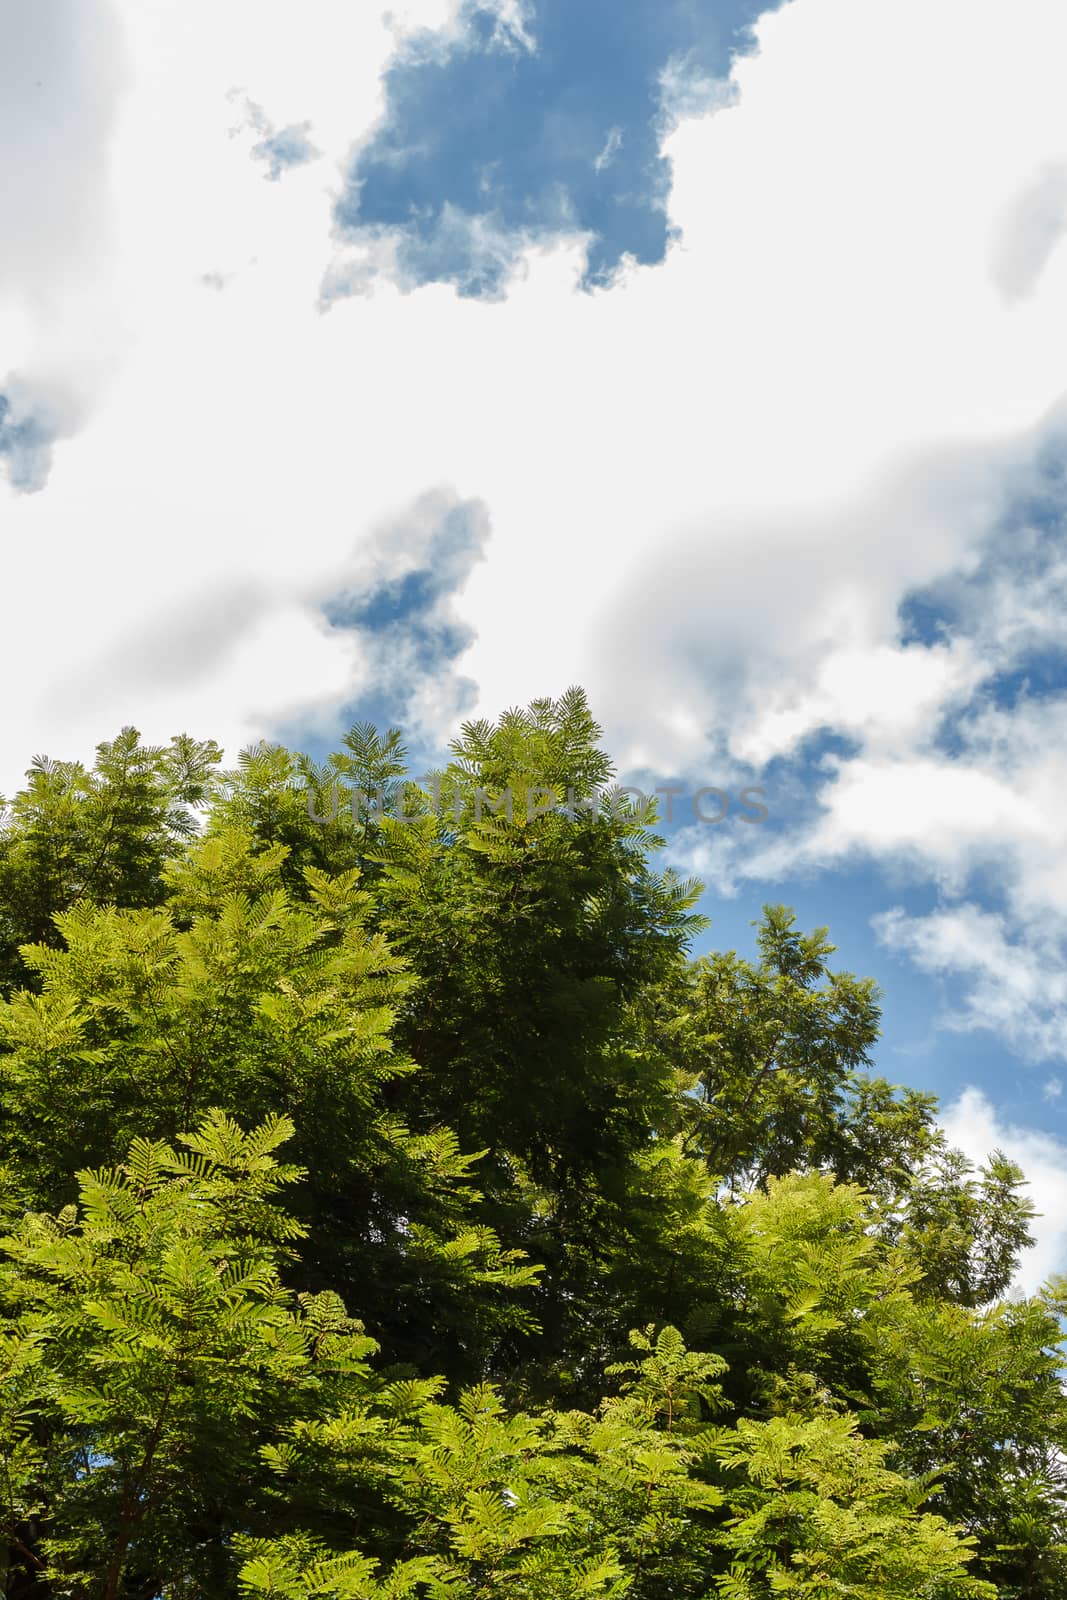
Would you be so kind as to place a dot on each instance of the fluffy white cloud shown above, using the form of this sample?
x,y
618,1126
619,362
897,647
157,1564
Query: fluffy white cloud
x,y
1016,987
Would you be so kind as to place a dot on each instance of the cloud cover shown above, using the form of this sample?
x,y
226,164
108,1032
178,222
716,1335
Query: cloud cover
x,y
785,496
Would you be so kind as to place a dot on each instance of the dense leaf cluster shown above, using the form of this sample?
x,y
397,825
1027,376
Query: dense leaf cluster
x,y
394,1208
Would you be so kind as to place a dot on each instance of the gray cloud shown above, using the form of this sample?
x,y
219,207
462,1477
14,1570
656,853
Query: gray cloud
x,y
185,645
722,616
1029,233
60,76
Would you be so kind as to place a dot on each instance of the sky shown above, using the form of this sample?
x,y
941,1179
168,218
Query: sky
x,y
413,363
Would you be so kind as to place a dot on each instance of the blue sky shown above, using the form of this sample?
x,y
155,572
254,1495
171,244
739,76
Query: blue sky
x,y
410,365
552,120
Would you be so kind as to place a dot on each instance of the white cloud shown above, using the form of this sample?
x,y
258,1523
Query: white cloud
x,y
973,1126
1016,987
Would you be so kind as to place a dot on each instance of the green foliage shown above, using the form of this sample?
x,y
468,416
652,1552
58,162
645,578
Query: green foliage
x,y
659,1291
541,939
978,1399
620,1502
818,1514
234,995
158,1348
774,1052
103,834
966,1235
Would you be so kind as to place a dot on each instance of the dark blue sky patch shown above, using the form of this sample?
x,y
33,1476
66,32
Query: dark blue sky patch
x,y
1040,675
26,442
925,619
489,137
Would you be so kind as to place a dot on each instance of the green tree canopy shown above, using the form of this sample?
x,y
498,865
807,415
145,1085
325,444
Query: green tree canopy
x,y
394,1206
